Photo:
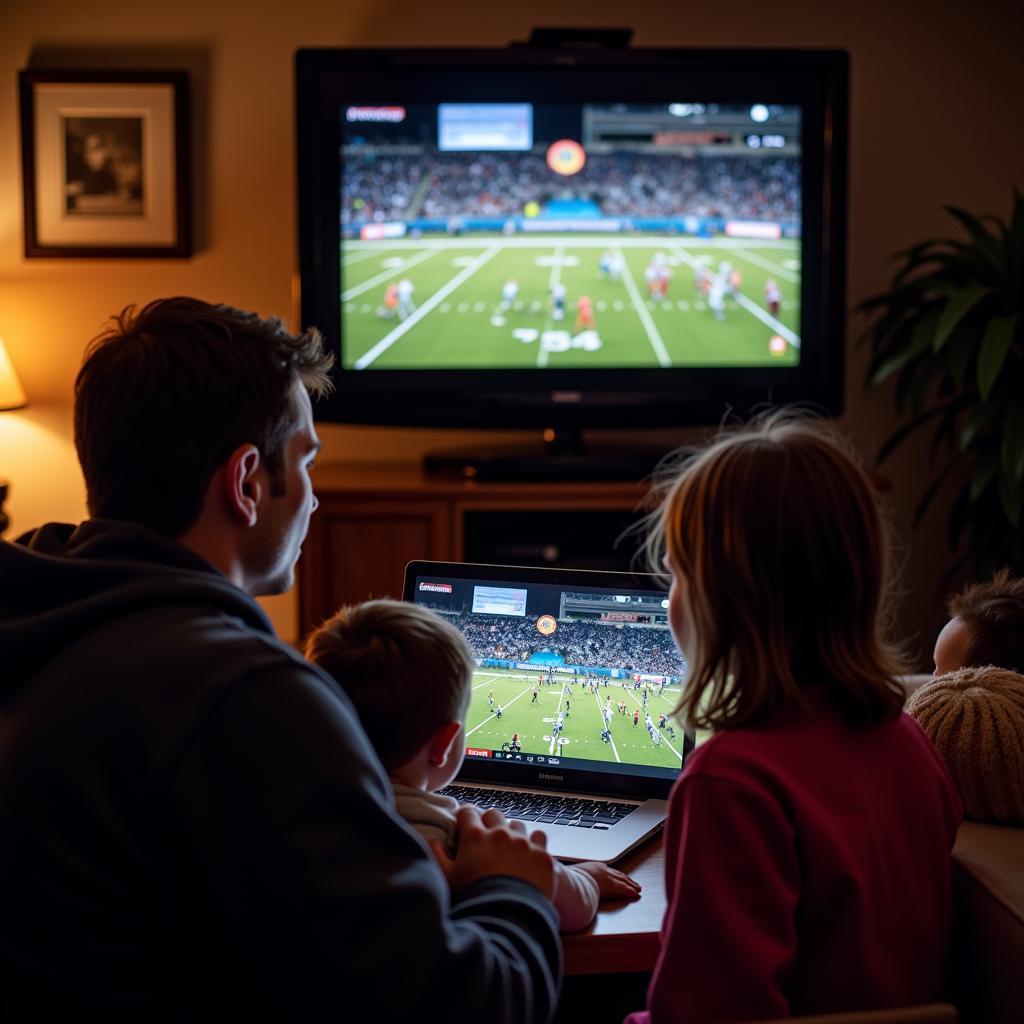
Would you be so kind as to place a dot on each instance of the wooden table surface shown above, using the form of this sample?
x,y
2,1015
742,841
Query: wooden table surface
x,y
624,937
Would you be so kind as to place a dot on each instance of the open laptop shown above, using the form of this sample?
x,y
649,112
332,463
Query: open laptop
x,y
576,674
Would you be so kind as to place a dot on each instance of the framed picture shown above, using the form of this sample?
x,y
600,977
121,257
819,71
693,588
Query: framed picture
x,y
105,161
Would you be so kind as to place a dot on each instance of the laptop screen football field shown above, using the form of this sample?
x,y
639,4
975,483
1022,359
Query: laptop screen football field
x,y
576,674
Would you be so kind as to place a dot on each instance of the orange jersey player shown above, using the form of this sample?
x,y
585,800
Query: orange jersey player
x,y
390,307
661,283
584,314
702,281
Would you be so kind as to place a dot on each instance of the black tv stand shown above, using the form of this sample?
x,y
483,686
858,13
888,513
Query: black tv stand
x,y
559,455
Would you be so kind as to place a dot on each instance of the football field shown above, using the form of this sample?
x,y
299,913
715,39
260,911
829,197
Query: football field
x,y
460,321
581,733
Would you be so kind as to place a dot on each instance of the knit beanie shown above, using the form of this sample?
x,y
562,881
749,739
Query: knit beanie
x,y
975,718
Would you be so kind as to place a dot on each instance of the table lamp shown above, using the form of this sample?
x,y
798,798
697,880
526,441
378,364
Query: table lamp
x,y
12,396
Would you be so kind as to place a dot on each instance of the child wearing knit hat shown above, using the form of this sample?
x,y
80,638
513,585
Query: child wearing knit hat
x,y
975,718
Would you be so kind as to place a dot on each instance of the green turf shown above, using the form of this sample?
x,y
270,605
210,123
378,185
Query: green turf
x,y
582,729
459,328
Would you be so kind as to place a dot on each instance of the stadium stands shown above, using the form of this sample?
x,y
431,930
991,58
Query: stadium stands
x,y
583,644
383,184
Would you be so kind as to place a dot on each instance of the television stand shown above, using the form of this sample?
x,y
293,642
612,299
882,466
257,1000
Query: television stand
x,y
558,455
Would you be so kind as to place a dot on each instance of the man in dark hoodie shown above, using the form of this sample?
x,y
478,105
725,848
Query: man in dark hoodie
x,y
192,822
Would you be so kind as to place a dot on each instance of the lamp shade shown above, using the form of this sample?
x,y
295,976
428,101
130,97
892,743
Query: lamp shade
x,y
12,395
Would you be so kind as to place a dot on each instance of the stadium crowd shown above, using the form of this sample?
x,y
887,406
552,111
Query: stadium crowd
x,y
381,186
585,644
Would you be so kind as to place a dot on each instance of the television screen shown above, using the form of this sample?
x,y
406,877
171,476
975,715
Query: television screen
x,y
521,235
623,238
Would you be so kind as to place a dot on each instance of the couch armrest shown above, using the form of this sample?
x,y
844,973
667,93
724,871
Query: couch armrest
x,y
989,932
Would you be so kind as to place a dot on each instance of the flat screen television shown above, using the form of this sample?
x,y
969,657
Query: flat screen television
x,y
555,237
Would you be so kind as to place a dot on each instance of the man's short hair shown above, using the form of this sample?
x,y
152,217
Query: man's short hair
x,y
407,670
168,392
993,613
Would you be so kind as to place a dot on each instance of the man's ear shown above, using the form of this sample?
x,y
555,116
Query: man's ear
x,y
242,484
442,741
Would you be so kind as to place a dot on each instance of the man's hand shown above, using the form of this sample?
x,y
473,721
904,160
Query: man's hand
x,y
489,845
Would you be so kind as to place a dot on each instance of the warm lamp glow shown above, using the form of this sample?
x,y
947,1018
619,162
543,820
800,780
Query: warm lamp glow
x,y
12,395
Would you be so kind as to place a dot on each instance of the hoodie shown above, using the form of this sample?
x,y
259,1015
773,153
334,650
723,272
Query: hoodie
x,y
433,815
193,824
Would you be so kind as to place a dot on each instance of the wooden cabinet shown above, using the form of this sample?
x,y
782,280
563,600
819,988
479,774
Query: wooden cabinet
x,y
374,518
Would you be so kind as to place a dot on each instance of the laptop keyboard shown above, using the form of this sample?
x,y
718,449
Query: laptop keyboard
x,y
544,808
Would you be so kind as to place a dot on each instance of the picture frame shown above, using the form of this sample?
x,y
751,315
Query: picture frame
x,y
106,163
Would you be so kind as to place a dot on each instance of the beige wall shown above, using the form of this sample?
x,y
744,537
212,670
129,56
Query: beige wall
x,y
935,116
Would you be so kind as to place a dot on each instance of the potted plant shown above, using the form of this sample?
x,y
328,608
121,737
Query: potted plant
x,y
950,332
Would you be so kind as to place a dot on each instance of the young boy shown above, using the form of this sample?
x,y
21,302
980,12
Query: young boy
x,y
986,626
409,674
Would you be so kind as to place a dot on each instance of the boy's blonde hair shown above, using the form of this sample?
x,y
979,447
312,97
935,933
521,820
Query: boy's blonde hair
x,y
779,535
407,670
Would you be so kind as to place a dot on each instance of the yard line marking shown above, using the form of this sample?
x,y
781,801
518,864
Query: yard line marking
x,y
435,300
489,679
351,293
766,264
600,708
645,318
527,241
556,276
494,716
358,256
751,307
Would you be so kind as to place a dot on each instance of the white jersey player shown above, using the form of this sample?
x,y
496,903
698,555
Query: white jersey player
x,y
558,301
509,291
716,298
611,265
772,296
405,303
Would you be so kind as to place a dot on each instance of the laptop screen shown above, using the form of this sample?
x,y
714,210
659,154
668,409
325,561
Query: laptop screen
x,y
574,669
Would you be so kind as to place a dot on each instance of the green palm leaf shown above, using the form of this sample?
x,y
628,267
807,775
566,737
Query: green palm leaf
x,y
959,305
947,337
994,346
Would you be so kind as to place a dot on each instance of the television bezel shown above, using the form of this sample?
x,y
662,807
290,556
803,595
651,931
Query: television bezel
x,y
329,79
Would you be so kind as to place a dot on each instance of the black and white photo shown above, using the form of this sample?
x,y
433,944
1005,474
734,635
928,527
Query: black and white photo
x,y
105,159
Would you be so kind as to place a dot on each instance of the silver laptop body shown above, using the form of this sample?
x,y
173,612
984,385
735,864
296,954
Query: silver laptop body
x,y
568,728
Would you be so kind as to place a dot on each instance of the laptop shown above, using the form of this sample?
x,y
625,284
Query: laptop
x,y
576,675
